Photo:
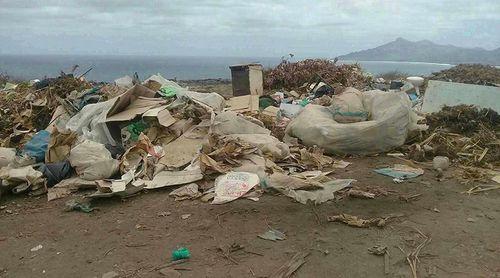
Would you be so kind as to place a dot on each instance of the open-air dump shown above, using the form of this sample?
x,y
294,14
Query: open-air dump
x,y
309,169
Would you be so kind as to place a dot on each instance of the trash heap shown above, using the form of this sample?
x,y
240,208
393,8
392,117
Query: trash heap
x,y
464,133
299,75
471,74
107,140
28,107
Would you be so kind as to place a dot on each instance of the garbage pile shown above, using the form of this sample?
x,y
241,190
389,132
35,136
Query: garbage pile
x,y
463,133
104,140
299,75
26,108
470,73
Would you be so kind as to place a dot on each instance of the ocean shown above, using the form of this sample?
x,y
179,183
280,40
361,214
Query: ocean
x,y
108,68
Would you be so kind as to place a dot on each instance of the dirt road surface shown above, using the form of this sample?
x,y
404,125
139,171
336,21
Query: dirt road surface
x,y
135,237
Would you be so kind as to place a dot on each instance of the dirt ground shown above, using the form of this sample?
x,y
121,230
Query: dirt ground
x,y
135,237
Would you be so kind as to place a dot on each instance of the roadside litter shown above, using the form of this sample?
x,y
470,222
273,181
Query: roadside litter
x,y
78,206
356,221
180,254
273,235
233,185
400,172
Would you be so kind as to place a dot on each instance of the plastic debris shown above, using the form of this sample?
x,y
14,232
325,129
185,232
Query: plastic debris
x,y
36,248
181,253
37,146
273,235
400,172
78,206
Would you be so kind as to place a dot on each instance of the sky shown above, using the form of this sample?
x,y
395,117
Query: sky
x,y
240,28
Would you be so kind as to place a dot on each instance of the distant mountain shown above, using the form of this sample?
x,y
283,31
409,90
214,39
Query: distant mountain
x,y
425,51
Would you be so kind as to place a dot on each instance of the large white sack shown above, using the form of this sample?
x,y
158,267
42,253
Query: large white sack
x,y
92,161
391,118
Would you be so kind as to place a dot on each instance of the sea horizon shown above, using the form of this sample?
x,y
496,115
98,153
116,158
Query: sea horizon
x,y
106,68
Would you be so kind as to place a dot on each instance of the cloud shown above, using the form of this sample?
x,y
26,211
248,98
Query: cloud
x,y
240,28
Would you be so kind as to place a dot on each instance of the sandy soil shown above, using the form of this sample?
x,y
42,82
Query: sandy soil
x,y
134,237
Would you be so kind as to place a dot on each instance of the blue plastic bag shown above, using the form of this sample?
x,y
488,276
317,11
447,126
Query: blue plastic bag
x,y
37,146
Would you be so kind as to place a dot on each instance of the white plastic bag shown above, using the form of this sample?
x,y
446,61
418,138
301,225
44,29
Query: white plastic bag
x,y
90,122
92,161
124,81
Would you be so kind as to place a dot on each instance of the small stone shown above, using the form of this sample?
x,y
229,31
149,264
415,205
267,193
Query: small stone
x,y
470,219
111,274
3,207
441,163
436,210
170,273
185,216
491,248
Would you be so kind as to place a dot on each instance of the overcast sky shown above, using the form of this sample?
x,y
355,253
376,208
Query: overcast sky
x,y
240,27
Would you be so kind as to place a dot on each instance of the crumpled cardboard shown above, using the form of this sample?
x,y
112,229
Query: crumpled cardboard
x,y
68,186
248,103
181,151
138,154
170,178
59,146
186,192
